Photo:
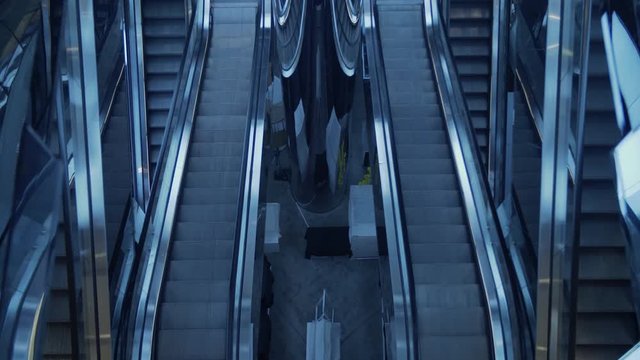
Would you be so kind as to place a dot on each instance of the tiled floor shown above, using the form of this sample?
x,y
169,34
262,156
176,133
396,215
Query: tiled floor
x,y
352,288
352,285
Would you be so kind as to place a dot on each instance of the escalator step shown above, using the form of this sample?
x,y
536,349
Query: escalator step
x,y
193,315
601,297
437,233
210,270
199,231
455,322
603,264
454,347
208,213
448,296
192,344
436,215
605,329
200,250
195,291
452,273
434,182
441,253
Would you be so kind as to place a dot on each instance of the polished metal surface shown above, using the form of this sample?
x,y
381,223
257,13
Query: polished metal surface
x,y
290,32
283,11
554,240
475,193
85,120
347,33
403,322
354,8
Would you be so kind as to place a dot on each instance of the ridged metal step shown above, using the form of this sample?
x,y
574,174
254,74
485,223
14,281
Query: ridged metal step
x,y
164,30
470,24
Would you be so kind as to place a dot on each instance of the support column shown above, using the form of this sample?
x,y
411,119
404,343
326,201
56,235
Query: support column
x,y
85,123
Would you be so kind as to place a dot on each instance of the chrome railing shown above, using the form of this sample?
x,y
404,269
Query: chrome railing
x,y
476,195
403,322
136,338
241,332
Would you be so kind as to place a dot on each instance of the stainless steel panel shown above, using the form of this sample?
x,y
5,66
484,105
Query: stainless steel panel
x,y
556,241
85,121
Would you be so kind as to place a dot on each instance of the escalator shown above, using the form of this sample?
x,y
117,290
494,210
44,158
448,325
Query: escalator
x,y
116,157
470,25
164,28
606,323
451,311
116,165
194,304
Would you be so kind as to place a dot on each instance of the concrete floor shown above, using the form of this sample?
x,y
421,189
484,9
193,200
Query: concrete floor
x,y
352,285
352,288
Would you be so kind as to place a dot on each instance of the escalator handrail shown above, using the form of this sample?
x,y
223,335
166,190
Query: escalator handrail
x,y
480,209
152,252
241,329
404,326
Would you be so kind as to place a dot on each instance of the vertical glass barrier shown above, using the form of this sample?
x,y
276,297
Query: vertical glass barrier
x,y
26,247
528,46
563,113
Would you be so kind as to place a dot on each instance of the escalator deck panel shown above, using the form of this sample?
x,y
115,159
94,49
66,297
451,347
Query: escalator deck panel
x,y
195,301
451,312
